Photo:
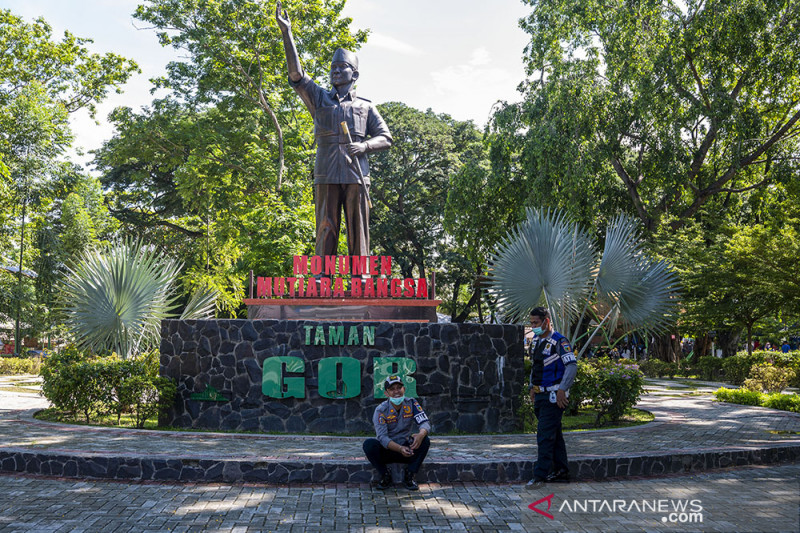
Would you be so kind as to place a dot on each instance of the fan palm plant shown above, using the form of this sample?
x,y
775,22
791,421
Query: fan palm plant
x,y
549,260
116,298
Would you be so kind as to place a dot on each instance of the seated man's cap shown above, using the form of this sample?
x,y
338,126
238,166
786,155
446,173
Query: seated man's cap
x,y
345,56
391,380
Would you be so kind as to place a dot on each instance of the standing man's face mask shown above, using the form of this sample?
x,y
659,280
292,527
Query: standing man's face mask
x,y
537,331
397,401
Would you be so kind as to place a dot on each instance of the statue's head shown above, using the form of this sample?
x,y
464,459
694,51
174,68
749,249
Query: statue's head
x,y
344,67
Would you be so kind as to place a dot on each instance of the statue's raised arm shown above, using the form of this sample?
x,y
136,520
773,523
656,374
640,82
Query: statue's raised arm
x,y
292,59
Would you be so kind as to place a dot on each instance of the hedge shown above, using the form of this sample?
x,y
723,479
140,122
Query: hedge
x,y
19,365
77,383
611,387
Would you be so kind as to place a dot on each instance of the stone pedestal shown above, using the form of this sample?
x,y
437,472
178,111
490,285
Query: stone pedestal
x,y
469,377
333,309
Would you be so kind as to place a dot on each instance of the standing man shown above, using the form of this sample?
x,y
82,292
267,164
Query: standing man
x,y
553,370
393,420
336,170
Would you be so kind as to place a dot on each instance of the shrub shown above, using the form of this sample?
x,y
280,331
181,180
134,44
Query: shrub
x,y
740,396
147,396
784,402
709,367
526,412
791,361
671,369
579,392
613,387
75,383
737,367
768,378
654,368
19,365
60,385
686,368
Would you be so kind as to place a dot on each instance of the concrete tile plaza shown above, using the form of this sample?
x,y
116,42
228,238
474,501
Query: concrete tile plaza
x,y
761,494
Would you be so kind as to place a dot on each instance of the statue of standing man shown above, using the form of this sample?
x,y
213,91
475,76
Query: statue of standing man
x,y
341,163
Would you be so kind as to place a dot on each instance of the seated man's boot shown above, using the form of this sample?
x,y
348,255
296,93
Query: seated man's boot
x,y
408,481
386,481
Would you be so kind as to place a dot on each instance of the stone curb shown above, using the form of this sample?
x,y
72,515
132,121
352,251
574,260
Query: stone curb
x,y
356,471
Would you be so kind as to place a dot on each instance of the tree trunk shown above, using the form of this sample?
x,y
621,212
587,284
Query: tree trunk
x,y
664,347
728,341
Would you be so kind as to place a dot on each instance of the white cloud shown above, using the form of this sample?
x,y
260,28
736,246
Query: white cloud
x,y
470,89
379,40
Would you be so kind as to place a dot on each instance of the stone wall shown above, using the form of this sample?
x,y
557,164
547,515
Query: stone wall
x,y
468,376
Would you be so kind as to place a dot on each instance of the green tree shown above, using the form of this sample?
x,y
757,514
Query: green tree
x,y
549,260
118,296
219,171
684,107
39,134
434,197
66,70
411,184
192,183
237,57
41,82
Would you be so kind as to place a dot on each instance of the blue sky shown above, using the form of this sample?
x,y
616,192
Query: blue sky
x,y
454,56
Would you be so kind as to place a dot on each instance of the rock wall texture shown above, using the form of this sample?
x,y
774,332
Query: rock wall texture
x,y
468,376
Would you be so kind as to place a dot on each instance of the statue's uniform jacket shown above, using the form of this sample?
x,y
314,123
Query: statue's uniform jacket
x,y
333,164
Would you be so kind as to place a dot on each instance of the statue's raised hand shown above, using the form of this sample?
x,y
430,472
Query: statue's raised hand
x,y
282,17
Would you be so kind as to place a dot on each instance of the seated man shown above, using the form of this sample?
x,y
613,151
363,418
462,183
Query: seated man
x,y
393,420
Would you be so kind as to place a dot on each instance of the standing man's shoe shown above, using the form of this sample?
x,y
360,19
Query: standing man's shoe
x,y
386,481
559,477
535,483
408,481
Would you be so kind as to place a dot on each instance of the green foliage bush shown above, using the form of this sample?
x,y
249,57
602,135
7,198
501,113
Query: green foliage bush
x,y
740,396
686,368
768,378
579,392
709,367
654,368
76,383
784,402
609,386
19,365
789,360
737,367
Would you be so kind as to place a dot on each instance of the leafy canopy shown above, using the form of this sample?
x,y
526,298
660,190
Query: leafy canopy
x,y
676,107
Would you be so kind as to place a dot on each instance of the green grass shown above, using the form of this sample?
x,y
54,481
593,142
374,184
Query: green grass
x,y
584,421
54,415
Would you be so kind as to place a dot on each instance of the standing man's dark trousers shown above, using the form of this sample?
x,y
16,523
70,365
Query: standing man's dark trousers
x,y
550,440
379,456
331,199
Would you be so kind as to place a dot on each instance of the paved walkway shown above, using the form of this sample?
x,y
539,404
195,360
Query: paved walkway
x,y
750,499
743,499
683,424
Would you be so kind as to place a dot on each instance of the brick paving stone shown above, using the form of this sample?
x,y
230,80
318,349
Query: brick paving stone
x,y
742,500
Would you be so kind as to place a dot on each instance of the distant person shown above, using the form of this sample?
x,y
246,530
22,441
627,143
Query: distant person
x,y
393,421
786,347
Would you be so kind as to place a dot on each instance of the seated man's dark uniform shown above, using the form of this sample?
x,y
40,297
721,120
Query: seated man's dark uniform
x,y
550,356
393,423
